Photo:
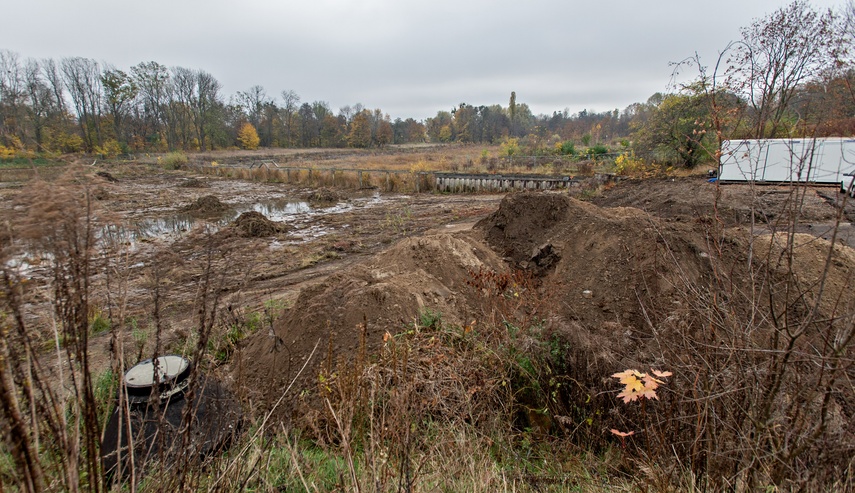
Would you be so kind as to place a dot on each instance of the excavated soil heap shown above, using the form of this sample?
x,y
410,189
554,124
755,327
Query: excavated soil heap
x,y
606,278
254,224
107,176
385,293
324,196
209,205
600,268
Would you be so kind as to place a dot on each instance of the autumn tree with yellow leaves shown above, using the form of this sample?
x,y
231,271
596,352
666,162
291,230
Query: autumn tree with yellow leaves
x,y
247,137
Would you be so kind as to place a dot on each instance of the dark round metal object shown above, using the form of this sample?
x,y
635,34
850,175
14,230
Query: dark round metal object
x,y
171,379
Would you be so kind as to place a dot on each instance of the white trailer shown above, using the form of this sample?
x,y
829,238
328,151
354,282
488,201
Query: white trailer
x,y
849,184
821,161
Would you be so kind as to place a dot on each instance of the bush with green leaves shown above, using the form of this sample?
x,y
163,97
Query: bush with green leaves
x,y
597,150
175,160
567,148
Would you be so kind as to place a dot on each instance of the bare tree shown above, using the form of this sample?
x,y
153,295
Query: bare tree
x,y
778,54
207,98
152,79
82,77
290,105
54,78
347,112
120,91
253,102
42,103
184,94
12,96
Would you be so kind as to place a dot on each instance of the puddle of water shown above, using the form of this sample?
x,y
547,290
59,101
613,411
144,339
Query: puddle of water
x,y
152,228
297,214
308,234
26,264
178,224
276,210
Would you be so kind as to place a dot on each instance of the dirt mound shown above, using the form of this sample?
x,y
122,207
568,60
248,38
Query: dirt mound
x,y
597,264
385,294
687,198
254,224
810,255
522,223
107,176
324,196
209,205
591,265
606,282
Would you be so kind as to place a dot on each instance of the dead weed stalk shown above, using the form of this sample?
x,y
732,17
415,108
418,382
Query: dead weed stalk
x,y
763,354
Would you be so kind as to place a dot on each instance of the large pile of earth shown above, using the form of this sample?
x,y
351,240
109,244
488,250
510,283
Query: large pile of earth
x,y
207,206
600,268
685,198
605,278
324,196
254,224
385,293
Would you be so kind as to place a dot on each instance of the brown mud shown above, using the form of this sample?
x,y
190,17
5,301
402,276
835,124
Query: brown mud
x,y
257,261
368,263
254,224
606,276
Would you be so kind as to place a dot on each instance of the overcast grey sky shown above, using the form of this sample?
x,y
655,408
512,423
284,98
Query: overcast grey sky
x,y
408,58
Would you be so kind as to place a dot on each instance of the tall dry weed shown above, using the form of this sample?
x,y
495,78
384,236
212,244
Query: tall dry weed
x,y
53,412
763,359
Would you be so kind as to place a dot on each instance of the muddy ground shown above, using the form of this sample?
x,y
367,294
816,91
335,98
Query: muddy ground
x,y
599,268
289,240
268,241
815,209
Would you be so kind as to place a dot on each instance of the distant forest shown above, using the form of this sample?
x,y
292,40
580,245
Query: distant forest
x,y
789,75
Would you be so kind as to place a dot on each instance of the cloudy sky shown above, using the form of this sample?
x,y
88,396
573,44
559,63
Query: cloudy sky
x,y
408,58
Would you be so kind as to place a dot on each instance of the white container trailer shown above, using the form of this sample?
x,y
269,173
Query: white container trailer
x,y
821,161
849,184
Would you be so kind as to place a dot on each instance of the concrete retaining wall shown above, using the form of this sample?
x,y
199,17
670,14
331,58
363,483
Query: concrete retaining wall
x,y
455,182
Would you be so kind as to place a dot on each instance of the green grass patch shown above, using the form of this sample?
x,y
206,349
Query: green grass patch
x,y
26,162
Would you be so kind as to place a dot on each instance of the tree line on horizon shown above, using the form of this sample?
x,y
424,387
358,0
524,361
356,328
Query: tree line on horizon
x,y
789,75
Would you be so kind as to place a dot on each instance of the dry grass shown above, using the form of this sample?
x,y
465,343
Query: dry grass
x,y
407,169
486,406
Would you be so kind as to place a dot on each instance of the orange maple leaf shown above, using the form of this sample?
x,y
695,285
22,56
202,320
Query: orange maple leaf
x,y
627,374
621,434
629,395
637,384
651,383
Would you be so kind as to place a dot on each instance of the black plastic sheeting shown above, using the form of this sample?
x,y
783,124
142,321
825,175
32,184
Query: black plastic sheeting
x,y
157,429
